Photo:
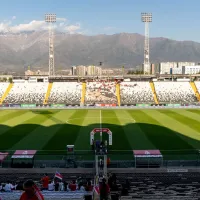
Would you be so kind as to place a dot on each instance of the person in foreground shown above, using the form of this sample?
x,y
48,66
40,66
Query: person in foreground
x,y
31,191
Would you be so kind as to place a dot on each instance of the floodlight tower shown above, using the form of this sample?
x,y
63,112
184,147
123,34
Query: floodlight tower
x,y
146,18
51,19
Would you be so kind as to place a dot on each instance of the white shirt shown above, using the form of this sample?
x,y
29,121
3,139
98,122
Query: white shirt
x,y
7,187
51,187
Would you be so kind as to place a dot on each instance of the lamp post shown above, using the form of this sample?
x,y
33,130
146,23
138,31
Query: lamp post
x,y
146,18
51,19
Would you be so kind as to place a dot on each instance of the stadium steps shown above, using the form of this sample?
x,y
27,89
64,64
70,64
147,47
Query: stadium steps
x,y
154,92
6,92
83,93
194,87
118,94
48,93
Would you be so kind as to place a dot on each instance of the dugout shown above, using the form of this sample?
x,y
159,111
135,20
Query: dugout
x,y
23,159
148,158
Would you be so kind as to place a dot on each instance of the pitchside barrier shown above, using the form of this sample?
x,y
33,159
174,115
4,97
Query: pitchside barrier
x,y
99,106
86,159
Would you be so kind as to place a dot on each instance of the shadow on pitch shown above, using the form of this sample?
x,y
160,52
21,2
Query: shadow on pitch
x,y
140,136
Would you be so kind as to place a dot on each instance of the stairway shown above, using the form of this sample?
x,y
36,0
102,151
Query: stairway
x,y
48,93
154,92
83,94
118,94
193,85
6,93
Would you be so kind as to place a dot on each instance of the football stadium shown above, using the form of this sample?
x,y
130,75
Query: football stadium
x,y
92,128
105,120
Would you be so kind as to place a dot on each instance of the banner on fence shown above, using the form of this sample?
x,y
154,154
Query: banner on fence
x,y
106,105
28,105
57,105
15,105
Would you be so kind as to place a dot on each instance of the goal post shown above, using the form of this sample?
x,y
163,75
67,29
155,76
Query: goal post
x,y
101,130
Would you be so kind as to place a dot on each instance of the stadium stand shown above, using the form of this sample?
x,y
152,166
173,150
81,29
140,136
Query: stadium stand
x,y
161,185
136,92
3,87
27,93
197,83
101,92
174,92
65,92
173,185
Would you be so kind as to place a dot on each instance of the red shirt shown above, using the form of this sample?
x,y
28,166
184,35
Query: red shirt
x,y
72,187
37,196
45,182
107,188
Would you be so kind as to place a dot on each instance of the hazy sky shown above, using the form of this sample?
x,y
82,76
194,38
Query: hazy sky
x,y
174,19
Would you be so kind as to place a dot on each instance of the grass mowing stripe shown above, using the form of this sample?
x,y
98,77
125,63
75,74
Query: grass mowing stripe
x,y
187,114
134,132
43,133
120,141
68,133
91,121
184,132
11,115
187,121
16,133
160,135
5,112
194,111
7,125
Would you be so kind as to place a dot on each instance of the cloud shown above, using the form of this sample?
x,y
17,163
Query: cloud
x,y
14,17
61,19
37,25
72,28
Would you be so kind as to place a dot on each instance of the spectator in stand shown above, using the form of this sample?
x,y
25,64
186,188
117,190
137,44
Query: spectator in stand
x,y
8,187
72,186
45,182
104,190
81,187
66,186
31,192
51,186
56,185
1,188
89,187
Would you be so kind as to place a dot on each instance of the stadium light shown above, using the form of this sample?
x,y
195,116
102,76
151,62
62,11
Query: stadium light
x,y
50,19
146,18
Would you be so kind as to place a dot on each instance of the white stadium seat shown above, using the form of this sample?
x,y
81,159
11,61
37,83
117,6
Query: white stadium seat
x,y
174,92
136,92
27,93
65,92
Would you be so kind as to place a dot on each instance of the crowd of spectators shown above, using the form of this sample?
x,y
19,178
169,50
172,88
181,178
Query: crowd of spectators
x,y
55,185
101,93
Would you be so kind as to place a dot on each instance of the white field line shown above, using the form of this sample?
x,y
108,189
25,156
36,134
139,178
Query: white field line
x,y
100,125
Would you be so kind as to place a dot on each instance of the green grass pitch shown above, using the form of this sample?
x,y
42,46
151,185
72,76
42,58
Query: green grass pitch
x,y
176,132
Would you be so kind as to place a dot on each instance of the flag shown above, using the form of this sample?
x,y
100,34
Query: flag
x,y
58,175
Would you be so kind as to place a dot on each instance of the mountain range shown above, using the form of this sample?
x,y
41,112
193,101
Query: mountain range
x,y
18,51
